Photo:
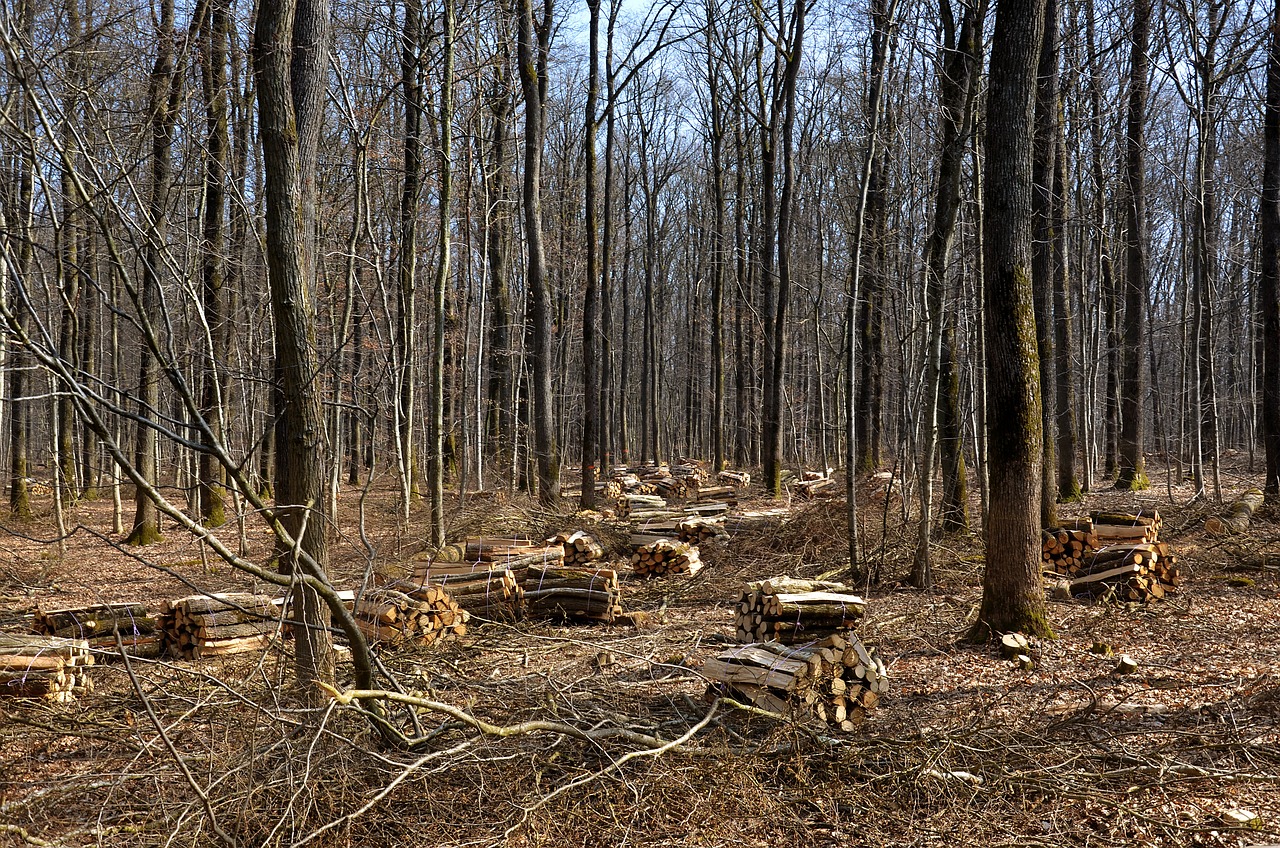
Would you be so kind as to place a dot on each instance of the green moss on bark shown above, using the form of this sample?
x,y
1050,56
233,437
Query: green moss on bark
x,y
143,534
1133,481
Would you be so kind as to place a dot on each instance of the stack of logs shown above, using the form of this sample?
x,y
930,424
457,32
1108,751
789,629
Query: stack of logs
x,y
407,614
698,531
487,590
662,557
791,610
814,487
47,667
637,506
834,680
579,548
98,625
736,479
1113,555
572,593
213,625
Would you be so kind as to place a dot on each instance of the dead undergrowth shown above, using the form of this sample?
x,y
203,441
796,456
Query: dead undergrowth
x,y
965,745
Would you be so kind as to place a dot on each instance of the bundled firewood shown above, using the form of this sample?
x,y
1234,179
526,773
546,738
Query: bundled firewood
x,y
818,487
639,504
791,610
406,614
213,625
665,556
1119,527
573,593
675,488
736,479
697,530
1064,551
690,469
609,490
486,590
47,667
579,547
491,548
98,625
835,680
1135,572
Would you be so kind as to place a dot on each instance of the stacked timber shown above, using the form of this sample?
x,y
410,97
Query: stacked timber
x,y
663,557
1122,528
639,506
675,488
609,490
691,469
406,614
573,593
580,547
698,530
514,552
1065,550
1144,571
726,495
791,610
486,590
834,680
818,487
99,624
214,625
736,479
47,667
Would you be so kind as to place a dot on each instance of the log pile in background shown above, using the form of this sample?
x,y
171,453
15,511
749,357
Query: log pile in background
x,y
406,614
47,667
1064,550
818,487
665,556
214,625
1112,554
791,610
580,547
635,506
1113,528
725,496
699,530
609,490
736,479
98,625
691,469
835,680
572,593
486,590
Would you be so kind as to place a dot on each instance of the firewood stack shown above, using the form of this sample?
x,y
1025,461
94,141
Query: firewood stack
x,y
690,469
637,506
486,590
579,548
835,680
573,593
665,556
725,495
609,490
736,479
818,487
214,625
99,624
405,614
1064,550
698,531
791,610
47,667
1121,528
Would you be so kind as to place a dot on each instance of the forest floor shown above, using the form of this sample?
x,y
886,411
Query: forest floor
x,y
965,744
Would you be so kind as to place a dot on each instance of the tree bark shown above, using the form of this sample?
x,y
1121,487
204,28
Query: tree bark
x,y
1269,265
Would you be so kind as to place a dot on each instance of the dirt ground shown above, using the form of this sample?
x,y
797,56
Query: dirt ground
x,y
964,746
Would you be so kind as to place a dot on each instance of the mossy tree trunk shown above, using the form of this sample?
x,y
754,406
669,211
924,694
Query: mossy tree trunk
x,y
1012,596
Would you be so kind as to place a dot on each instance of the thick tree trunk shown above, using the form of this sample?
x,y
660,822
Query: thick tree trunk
x,y
1013,595
591,297
411,73
1269,266
499,200
436,414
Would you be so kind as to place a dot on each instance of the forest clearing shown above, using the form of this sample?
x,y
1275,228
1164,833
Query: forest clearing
x,y
964,740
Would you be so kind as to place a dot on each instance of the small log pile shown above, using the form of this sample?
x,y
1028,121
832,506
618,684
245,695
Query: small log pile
x,y
579,548
663,557
818,487
98,625
1137,572
215,625
1112,528
835,680
698,531
725,496
516,553
609,490
736,479
791,610
48,667
573,593
637,507
485,590
405,614
1064,550
691,469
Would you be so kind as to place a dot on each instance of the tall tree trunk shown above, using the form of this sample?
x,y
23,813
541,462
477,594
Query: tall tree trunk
x,y
1012,591
1133,393
1269,265
411,73
436,418
591,297
499,200
1042,261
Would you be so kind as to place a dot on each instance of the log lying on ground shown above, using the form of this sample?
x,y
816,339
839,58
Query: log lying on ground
x,y
1120,527
834,680
47,667
214,625
1238,516
98,625
791,610
665,556
486,590
1064,551
573,593
579,547
407,614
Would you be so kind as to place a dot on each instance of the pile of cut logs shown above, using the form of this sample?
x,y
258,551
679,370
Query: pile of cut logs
x,y
572,592
791,610
579,547
98,625
662,557
1112,555
47,667
637,507
818,487
515,552
834,680
736,479
213,625
487,590
697,530
405,614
